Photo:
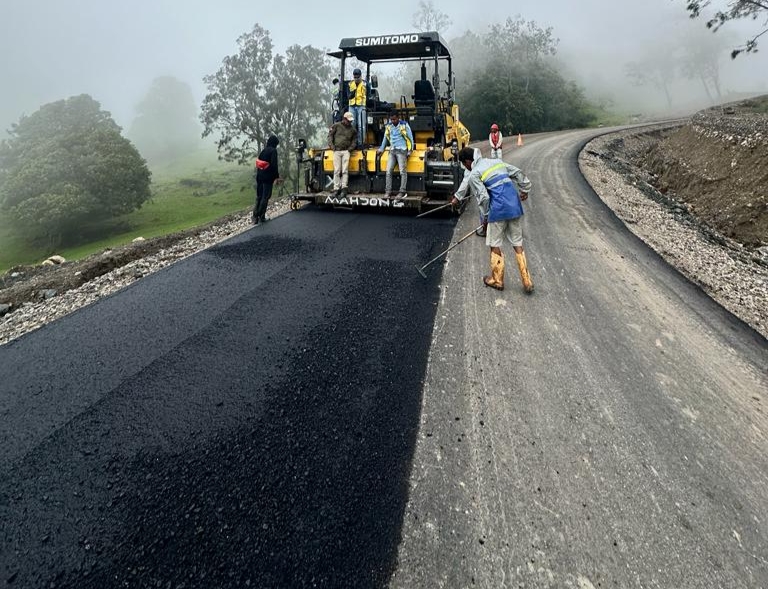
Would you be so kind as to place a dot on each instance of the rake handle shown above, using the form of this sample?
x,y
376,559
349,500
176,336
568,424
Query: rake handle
x,y
441,254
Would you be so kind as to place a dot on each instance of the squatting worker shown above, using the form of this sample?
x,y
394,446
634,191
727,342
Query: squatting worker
x,y
357,100
399,136
342,138
500,189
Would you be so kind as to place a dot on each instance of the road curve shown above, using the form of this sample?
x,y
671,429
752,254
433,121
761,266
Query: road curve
x,y
608,431
298,407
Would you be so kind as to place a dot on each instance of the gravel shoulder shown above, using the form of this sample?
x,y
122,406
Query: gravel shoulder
x,y
733,273
675,186
30,297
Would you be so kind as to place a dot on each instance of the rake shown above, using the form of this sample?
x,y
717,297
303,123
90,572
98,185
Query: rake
x,y
429,212
420,270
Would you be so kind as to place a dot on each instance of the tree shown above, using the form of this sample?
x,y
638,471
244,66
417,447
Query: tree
x,y
66,165
429,18
700,55
256,94
517,42
166,123
738,9
521,40
510,77
547,102
656,69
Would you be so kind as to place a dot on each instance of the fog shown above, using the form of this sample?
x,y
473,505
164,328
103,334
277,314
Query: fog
x,y
53,49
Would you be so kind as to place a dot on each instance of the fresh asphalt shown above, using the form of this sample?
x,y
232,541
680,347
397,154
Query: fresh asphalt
x,y
298,407
245,418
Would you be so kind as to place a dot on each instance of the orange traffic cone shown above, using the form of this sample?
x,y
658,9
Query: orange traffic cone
x,y
519,139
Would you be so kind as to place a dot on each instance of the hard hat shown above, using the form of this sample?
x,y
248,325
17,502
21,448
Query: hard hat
x,y
349,116
357,72
494,127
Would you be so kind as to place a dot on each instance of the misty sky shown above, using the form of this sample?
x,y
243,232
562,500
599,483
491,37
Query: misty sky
x,y
53,49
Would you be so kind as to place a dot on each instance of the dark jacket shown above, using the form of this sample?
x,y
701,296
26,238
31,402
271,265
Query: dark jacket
x,y
266,164
342,137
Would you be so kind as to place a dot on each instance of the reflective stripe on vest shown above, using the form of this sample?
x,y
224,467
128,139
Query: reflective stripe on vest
x,y
484,175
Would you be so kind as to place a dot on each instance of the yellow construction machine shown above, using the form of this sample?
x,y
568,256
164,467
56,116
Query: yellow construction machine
x,y
434,173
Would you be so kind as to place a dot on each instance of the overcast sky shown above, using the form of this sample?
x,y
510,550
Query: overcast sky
x,y
53,49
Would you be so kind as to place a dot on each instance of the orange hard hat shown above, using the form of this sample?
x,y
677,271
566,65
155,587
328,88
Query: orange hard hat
x,y
494,127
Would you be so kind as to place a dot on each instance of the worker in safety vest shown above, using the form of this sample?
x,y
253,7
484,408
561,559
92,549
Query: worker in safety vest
x,y
399,136
501,189
495,139
357,100
464,189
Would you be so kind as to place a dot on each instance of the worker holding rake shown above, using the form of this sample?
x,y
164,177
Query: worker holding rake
x,y
500,189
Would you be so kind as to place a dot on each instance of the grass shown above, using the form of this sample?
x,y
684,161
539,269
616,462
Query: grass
x,y
757,105
186,193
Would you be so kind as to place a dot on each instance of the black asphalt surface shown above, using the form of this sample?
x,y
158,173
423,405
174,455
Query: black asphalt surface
x,y
298,407
244,418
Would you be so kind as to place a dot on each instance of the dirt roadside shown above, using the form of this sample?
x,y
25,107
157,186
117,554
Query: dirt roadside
x,y
696,192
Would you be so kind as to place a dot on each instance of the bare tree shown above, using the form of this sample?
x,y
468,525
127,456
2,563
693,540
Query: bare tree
x,y
699,57
429,18
653,71
737,9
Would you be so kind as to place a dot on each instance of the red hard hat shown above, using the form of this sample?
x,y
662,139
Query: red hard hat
x,y
494,127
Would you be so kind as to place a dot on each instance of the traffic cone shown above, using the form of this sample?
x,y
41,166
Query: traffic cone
x,y
519,139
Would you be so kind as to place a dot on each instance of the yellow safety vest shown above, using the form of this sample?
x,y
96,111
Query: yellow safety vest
x,y
356,93
403,132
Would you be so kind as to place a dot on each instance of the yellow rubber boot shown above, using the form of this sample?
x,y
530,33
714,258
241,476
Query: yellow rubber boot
x,y
496,279
522,264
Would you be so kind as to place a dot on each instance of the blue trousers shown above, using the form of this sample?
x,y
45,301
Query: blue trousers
x,y
360,122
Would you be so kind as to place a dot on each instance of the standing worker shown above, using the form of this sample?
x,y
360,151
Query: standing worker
x,y
266,175
495,139
335,101
357,98
342,139
500,189
399,136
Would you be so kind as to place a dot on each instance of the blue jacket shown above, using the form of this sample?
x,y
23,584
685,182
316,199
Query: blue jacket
x,y
496,186
398,136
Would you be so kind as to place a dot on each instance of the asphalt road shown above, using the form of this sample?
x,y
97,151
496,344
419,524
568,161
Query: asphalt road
x,y
298,407
608,431
245,418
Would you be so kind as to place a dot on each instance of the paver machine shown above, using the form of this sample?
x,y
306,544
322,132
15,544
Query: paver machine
x,y
434,172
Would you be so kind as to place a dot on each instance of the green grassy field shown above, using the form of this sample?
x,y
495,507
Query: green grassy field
x,y
187,193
